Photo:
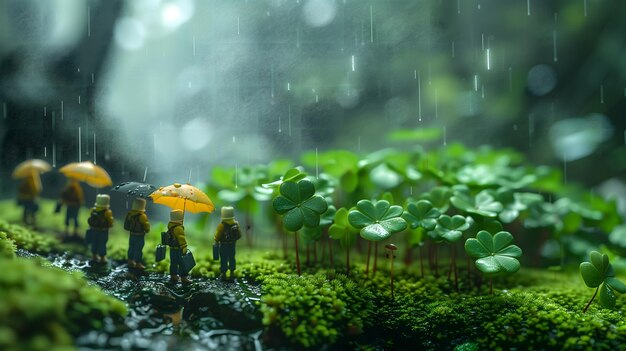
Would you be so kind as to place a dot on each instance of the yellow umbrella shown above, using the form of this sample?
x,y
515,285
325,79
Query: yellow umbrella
x,y
86,171
184,197
30,167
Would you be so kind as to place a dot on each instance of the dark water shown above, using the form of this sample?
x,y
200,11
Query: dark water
x,y
207,315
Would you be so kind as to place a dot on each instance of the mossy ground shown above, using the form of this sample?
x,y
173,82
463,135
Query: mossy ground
x,y
533,309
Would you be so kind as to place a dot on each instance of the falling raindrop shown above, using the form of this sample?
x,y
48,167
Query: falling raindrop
x,y
189,177
445,142
411,191
61,109
238,25
79,146
93,78
585,7
419,96
482,91
528,7
44,111
94,148
317,168
236,176
45,151
482,41
371,24
475,82
193,44
452,49
317,98
352,63
554,55
54,154
288,86
79,99
145,174
602,94
458,6
280,129
234,139
89,21
488,60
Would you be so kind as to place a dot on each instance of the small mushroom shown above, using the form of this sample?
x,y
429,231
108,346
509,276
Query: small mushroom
x,y
391,248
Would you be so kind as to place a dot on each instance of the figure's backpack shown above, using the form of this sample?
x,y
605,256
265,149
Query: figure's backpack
x,y
231,232
168,238
97,219
133,224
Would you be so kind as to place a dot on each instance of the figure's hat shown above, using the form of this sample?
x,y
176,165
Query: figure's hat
x,y
139,204
102,201
176,216
228,212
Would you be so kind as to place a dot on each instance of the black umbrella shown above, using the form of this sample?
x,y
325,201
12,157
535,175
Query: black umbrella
x,y
135,189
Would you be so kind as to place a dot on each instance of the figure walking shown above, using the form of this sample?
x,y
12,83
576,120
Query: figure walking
x,y
71,196
27,194
178,247
226,236
137,224
100,221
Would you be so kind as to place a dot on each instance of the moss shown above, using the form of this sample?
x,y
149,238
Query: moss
x,y
30,240
7,246
312,310
44,308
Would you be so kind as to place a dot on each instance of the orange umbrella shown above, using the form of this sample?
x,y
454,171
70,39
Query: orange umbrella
x,y
86,171
183,197
30,167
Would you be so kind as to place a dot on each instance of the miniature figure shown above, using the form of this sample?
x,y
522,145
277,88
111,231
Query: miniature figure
x,y
178,247
137,224
100,220
226,236
72,197
27,194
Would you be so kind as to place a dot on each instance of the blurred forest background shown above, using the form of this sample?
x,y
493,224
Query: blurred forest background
x,y
176,86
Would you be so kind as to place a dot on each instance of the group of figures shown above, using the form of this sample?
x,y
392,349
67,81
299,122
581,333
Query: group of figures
x,y
101,220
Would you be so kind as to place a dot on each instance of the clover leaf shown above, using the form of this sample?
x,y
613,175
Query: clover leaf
x,y
377,220
439,197
494,253
299,205
599,274
450,229
342,230
484,204
421,214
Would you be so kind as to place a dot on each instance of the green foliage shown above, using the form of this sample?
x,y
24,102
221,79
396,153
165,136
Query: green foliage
x,y
44,308
7,246
377,220
599,273
342,230
299,205
483,204
494,253
450,229
29,240
421,214
313,310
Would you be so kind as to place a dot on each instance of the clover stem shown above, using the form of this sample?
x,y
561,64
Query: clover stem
x,y
297,254
375,257
391,274
422,261
590,301
367,262
347,260
330,252
456,280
